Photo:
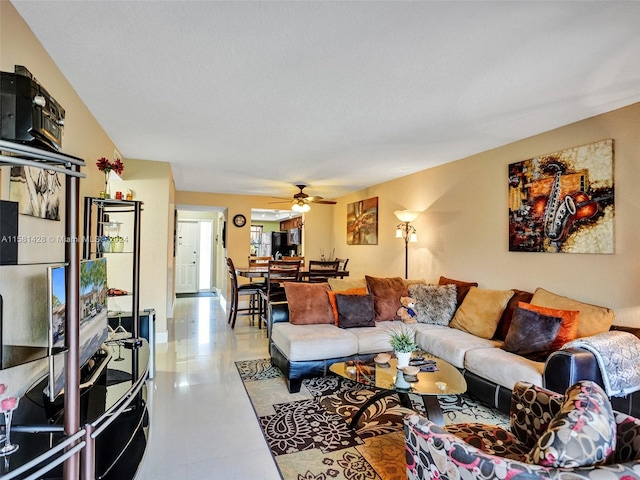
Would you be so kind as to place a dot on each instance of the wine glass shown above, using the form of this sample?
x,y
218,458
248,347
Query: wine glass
x,y
8,405
120,357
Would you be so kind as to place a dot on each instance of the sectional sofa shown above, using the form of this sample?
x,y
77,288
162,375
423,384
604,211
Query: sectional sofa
x,y
484,333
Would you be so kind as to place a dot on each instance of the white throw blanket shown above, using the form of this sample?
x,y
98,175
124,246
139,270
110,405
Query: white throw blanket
x,y
618,356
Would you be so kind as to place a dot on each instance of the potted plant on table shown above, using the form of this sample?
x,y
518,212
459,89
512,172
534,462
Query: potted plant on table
x,y
402,342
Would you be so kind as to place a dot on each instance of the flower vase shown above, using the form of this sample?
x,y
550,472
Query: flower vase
x,y
403,358
107,194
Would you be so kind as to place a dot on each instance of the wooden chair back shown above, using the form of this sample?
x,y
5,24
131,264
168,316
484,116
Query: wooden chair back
x,y
258,261
281,271
343,263
291,259
320,271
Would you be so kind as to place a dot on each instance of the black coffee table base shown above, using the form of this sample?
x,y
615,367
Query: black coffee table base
x,y
431,405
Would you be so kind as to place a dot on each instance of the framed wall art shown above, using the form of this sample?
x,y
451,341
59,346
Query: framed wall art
x,y
362,222
563,201
39,192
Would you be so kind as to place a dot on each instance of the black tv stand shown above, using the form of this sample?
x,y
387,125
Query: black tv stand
x,y
120,446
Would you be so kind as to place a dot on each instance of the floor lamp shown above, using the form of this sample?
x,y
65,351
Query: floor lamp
x,y
407,232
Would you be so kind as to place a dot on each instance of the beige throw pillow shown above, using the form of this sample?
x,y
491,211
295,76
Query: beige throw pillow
x,y
592,319
480,311
339,284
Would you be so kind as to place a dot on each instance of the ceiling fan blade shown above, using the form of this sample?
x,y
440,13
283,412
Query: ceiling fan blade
x,y
326,202
313,198
280,201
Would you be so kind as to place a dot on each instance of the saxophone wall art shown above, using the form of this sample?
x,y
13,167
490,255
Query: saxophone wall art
x,y
563,201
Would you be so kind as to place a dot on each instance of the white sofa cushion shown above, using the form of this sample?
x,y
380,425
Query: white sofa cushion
x,y
375,339
313,342
450,344
502,367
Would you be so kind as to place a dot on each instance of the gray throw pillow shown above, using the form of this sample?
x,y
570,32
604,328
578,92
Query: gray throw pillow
x,y
435,304
355,311
531,334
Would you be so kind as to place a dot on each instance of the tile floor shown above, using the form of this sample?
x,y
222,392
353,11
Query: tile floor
x,y
202,424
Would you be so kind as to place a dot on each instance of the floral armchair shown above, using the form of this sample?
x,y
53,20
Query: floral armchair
x,y
575,436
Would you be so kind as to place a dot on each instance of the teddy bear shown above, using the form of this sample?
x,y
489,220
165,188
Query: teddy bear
x,y
407,312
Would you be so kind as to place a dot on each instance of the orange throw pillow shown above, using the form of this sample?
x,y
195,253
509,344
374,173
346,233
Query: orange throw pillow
x,y
349,291
568,329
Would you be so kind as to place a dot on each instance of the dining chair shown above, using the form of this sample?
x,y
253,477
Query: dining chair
x,y
253,291
343,263
256,262
278,272
320,271
292,259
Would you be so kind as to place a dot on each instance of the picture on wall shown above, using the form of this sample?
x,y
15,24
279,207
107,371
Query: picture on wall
x,y
563,201
362,222
38,192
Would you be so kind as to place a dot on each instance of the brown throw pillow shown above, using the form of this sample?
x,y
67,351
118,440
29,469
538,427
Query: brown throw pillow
x,y
386,296
531,334
507,315
308,303
355,311
463,287
349,291
568,328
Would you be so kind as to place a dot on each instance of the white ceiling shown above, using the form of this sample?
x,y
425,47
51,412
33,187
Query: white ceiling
x,y
254,96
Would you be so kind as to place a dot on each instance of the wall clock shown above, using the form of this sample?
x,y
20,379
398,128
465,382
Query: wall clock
x,y
239,220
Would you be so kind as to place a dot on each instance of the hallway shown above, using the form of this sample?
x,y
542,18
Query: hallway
x,y
203,426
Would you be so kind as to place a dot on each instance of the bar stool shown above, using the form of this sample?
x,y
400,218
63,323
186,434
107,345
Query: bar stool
x,y
251,291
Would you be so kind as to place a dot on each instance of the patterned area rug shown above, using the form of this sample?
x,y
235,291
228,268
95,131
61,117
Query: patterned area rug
x,y
309,435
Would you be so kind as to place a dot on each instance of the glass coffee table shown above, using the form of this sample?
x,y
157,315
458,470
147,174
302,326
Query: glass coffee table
x,y
388,379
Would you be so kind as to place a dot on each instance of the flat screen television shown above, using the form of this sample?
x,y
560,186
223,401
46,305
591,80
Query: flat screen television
x,y
93,316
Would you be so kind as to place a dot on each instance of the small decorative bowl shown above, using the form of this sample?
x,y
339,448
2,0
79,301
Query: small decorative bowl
x,y
411,370
382,358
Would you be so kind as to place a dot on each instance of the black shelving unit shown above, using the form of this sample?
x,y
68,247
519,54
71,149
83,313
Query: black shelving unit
x,y
93,230
17,154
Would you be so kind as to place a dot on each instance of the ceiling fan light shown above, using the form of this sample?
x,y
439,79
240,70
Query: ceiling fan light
x,y
300,206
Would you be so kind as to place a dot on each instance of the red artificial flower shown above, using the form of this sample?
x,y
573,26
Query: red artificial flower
x,y
117,166
103,165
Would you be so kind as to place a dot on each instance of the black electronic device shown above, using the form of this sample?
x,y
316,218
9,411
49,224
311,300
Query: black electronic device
x,y
8,233
28,113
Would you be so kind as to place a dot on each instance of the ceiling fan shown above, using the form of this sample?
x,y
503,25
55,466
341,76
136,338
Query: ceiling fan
x,y
301,200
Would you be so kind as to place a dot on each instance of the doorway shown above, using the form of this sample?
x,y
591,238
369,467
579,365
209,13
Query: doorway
x,y
194,256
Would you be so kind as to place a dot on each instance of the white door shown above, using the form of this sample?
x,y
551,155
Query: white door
x,y
187,257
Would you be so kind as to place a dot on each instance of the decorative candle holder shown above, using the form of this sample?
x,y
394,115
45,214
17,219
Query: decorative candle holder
x,y
8,405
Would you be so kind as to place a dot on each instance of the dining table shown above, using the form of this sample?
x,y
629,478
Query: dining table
x,y
261,272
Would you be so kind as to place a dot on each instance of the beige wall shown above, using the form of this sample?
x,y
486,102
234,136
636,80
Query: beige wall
x,y
84,138
463,228
152,182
